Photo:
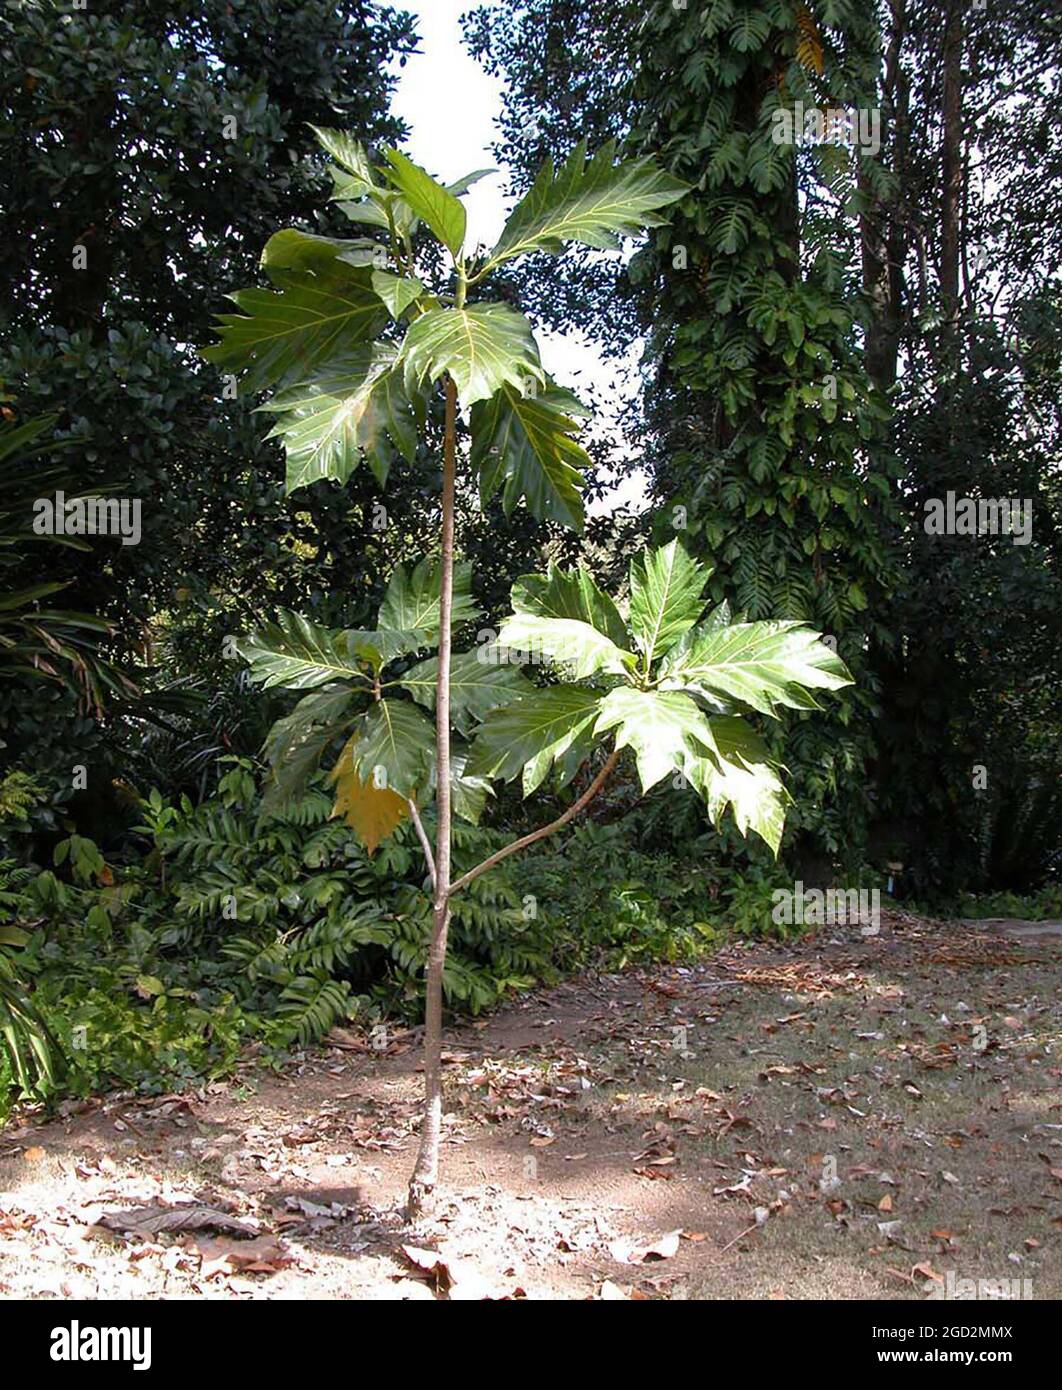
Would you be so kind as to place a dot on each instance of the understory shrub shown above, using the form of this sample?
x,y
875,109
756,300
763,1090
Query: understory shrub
x,y
215,927
608,903
1041,906
218,926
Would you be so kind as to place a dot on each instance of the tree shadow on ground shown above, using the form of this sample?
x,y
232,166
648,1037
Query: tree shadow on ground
x,y
839,1117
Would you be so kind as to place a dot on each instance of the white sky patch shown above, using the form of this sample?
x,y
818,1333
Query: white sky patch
x,y
450,106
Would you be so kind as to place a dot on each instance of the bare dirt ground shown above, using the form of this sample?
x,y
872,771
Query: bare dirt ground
x,y
846,1116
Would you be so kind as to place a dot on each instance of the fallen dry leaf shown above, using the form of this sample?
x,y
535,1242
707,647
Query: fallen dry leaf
x,y
153,1220
612,1293
261,1255
450,1275
663,1248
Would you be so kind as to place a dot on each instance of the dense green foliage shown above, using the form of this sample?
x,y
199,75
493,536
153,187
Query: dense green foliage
x,y
143,148
836,334
351,336
759,413
219,927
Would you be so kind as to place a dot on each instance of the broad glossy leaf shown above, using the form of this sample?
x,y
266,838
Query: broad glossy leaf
x,y
483,348
297,742
465,182
720,616
477,685
763,665
349,192
664,728
739,774
397,291
383,208
569,594
395,747
355,187
287,332
347,152
353,407
434,204
666,588
468,793
412,600
737,741
593,202
528,737
524,444
374,813
300,654
575,645
385,644
291,249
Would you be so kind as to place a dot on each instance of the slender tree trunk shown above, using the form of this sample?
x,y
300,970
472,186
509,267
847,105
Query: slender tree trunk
x,y
951,165
426,1171
884,236
951,169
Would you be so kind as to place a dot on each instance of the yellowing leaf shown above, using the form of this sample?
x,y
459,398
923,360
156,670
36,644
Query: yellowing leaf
x,y
809,44
372,812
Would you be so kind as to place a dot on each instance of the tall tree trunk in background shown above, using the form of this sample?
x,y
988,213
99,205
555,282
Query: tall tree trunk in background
x,y
883,235
951,163
951,211
426,1171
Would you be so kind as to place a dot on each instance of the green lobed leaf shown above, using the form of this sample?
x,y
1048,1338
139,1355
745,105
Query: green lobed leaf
x,y
300,654
664,728
347,152
740,775
523,444
484,348
395,747
411,600
666,589
355,406
369,211
763,664
297,742
398,292
593,202
575,645
434,204
468,793
527,738
478,684
291,330
291,249
569,594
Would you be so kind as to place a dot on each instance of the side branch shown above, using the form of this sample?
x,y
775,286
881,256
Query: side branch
x,y
525,840
422,836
